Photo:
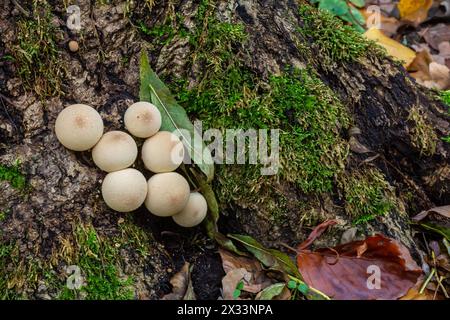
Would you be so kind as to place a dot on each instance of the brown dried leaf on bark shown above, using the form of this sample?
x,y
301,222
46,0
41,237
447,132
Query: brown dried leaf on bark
x,y
317,232
182,285
443,211
349,271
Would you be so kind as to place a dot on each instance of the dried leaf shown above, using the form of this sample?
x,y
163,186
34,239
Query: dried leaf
x,y
357,146
437,34
181,285
443,211
271,292
420,67
414,294
341,274
440,75
415,11
256,278
387,25
394,48
270,258
317,232
230,282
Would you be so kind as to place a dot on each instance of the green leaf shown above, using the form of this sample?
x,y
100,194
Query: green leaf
x,y
271,291
270,258
236,293
355,18
447,245
303,288
292,284
174,117
336,7
358,3
443,231
211,219
240,285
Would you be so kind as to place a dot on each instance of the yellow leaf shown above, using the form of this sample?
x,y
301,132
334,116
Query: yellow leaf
x,y
394,48
414,10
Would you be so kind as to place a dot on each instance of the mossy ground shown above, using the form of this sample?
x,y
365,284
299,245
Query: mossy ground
x,y
334,41
423,135
445,97
311,119
36,52
99,258
13,175
367,195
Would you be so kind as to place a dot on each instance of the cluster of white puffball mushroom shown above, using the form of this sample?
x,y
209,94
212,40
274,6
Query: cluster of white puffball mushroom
x,y
79,127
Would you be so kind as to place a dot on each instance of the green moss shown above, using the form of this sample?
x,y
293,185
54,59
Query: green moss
x,y
13,175
36,52
423,135
329,36
367,195
6,255
3,215
445,97
164,32
97,258
227,95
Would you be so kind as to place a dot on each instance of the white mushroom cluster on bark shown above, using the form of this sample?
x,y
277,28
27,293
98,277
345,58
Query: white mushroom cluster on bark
x,y
79,127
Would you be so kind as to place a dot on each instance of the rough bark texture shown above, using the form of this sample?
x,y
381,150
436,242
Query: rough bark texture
x,y
65,185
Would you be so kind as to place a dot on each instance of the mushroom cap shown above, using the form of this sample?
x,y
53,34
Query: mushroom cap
x,y
116,150
124,190
79,127
168,193
142,119
162,152
193,213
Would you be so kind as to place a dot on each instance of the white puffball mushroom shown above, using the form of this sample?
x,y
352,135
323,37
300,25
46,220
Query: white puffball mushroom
x,y
116,150
193,213
124,190
168,193
162,152
142,119
79,127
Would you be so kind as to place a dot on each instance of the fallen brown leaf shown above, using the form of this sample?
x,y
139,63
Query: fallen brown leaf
x,y
443,211
420,67
341,274
181,285
388,25
393,48
317,232
436,35
239,268
231,280
415,11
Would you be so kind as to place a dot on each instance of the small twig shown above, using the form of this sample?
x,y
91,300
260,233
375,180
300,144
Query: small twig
x,y
288,247
20,8
439,280
422,289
